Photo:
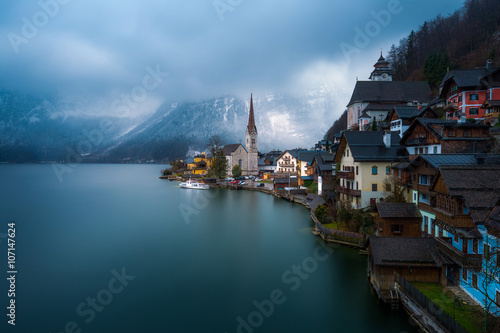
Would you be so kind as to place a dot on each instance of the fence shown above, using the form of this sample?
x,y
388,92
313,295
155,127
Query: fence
x,y
429,306
339,235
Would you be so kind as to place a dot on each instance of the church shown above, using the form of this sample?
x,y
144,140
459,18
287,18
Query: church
x,y
245,157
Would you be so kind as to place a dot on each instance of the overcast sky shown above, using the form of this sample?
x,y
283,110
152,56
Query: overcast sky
x,y
208,48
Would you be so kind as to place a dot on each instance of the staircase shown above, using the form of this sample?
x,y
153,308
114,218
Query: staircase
x,y
394,299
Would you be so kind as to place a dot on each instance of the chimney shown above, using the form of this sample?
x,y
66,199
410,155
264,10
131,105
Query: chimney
x,y
489,64
387,138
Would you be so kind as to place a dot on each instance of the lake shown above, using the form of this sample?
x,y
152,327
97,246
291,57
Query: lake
x,y
112,248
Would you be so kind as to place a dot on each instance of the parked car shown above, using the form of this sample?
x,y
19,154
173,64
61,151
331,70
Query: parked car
x,y
243,183
260,185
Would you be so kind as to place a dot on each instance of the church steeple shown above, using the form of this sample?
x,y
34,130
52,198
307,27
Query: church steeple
x,y
382,71
251,135
251,128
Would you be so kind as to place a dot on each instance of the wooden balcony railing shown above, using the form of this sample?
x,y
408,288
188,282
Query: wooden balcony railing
x,y
350,191
416,141
454,221
463,259
346,174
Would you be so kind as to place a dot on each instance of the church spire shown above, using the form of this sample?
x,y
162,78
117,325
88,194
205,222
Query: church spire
x,y
251,119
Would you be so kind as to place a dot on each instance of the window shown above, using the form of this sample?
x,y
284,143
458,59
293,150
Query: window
x,y
396,228
414,197
451,132
387,170
454,88
374,187
424,180
464,274
474,97
240,163
356,170
466,211
426,222
459,98
434,150
487,95
347,152
474,245
473,111
426,150
399,173
374,170
474,280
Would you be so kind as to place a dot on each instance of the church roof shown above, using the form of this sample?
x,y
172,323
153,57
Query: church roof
x,y
251,119
228,149
394,92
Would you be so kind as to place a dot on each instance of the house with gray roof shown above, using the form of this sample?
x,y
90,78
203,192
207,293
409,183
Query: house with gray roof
x,y
365,160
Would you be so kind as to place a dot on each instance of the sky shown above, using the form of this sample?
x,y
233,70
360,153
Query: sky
x,y
151,51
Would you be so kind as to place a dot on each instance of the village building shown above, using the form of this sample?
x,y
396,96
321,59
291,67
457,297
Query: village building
x,y
322,169
401,117
466,196
365,160
268,162
199,165
396,219
415,259
246,157
441,136
374,99
467,90
288,162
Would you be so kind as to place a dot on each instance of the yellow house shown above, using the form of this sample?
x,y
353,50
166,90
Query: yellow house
x,y
200,165
365,160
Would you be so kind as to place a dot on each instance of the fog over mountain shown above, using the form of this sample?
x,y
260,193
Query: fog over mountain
x,y
51,128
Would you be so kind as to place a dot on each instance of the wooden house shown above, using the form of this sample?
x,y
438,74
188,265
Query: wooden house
x,y
439,136
415,259
397,219
401,117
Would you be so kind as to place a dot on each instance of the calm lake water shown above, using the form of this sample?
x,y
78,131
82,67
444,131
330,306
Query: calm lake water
x,y
111,248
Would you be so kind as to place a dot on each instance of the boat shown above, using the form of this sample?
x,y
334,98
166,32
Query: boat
x,y
194,185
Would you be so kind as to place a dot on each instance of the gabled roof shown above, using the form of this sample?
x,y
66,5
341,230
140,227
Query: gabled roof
x,y
465,78
404,251
407,112
490,103
478,185
231,148
398,210
391,92
293,152
437,160
369,146
308,155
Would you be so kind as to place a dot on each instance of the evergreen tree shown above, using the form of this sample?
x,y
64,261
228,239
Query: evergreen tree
x,y
236,171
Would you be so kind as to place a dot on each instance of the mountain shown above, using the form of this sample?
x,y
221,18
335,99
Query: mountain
x,y
283,121
44,128
35,128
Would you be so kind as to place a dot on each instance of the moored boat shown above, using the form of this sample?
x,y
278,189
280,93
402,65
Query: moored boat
x,y
193,184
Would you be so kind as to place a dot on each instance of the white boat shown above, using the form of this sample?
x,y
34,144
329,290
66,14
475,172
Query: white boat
x,y
194,185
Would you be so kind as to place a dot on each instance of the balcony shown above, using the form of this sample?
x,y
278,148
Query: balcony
x,y
349,191
416,141
463,259
287,165
450,222
451,106
346,174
